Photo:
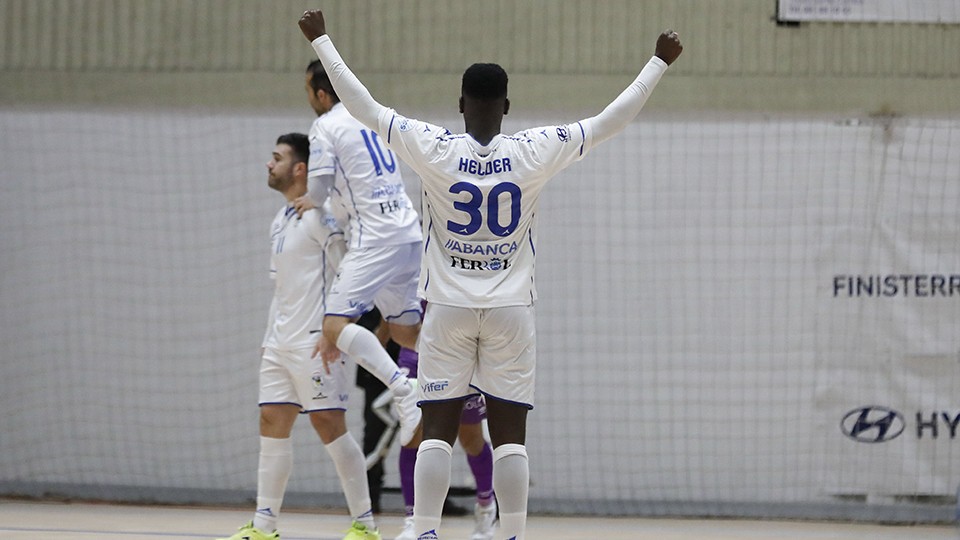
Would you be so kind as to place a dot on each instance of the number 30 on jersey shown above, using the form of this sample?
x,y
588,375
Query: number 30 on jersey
x,y
474,207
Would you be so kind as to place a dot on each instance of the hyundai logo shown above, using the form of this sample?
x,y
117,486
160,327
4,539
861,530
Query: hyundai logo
x,y
872,424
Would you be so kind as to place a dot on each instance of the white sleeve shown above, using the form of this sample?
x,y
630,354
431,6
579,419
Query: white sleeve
x,y
625,108
354,96
323,153
318,188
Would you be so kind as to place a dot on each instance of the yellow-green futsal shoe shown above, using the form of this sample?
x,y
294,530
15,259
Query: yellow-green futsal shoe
x,y
360,532
249,532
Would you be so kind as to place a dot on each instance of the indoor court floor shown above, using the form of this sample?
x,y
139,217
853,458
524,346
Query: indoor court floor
x,y
30,520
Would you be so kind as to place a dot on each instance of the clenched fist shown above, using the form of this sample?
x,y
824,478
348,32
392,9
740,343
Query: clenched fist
x,y
668,46
312,25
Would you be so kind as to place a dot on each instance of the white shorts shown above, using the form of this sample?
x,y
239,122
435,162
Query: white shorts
x,y
490,350
385,277
293,377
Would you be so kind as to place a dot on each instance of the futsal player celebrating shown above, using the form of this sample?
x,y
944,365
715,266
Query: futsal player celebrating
x,y
481,191
349,164
304,255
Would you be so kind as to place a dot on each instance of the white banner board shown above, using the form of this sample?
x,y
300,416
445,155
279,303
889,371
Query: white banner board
x,y
914,11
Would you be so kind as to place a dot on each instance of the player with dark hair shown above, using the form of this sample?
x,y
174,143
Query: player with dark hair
x,y
349,167
485,83
480,190
304,254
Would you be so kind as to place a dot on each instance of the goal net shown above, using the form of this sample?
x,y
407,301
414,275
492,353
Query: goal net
x,y
739,316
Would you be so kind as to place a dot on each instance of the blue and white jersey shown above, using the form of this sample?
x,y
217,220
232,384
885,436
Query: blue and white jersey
x,y
304,256
480,206
368,191
480,201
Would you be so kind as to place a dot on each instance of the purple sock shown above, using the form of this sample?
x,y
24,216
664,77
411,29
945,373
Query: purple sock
x,y
409,359
482,467
408,460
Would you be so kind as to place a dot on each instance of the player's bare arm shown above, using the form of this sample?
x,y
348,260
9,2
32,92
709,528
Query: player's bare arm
x,y
312,25
668,46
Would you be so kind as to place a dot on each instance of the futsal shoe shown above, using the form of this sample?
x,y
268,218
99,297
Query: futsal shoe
x,y
360,532
249,532
408,413
408,532
485,518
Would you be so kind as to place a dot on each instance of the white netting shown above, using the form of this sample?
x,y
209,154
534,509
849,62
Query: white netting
x,y
696,355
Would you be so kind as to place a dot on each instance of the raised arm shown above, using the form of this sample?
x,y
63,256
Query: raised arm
x,y
354,96
627,105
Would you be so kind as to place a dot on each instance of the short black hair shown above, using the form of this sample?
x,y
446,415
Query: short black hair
x,y
300,145
320,81
486,82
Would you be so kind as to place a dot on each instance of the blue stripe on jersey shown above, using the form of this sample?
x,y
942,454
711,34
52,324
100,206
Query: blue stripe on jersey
x,y
353,201
530,238
429,228
583,137
426,244
390,129
323,278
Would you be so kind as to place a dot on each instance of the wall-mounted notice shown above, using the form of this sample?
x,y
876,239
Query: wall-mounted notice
x,y
912,11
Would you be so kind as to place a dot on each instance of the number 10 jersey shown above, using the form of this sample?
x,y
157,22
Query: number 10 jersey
x,y
368,191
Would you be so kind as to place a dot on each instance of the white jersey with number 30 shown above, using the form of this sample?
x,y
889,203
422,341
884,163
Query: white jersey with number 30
x,y
479,201
480,206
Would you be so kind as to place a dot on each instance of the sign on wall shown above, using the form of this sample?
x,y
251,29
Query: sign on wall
x,y
914,11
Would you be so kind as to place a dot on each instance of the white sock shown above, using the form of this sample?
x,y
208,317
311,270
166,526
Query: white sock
x,y
365,349
276,462
511,483
431,481
352,469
